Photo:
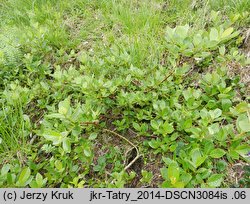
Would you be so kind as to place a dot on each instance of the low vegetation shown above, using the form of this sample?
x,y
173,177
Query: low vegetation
x,y
128,93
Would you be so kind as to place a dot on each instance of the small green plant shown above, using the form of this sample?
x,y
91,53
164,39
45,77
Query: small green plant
x,y
146,177
199,45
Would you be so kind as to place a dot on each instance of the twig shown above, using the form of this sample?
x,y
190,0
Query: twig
x,y
126,153
192,68
166,77
132,162
114,133
137,151
90,123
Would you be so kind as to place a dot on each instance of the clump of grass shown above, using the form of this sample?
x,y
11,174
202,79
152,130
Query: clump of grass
x,y
13,130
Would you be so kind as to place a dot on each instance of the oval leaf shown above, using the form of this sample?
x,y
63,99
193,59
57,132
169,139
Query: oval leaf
x,y
217,153
227,32
215,180
24,176
243,123
214,35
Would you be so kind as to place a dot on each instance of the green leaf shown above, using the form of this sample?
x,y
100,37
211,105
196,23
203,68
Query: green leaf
x,y
11,178
215,113
179,184
187,123
222,50
167,160
214,128
197,158
166,184
146,176
23,177
55,137
217,153
214,16
59,165
200,161
195,131
185,178
154,144
66,145
195,154
155,124
242,107
221,165
242,149
183,69
173,147
214,35
197,39
64,106
197,93
187,94
87,152
174,136
33,184
169,33
168,128
204,173
222,134
55,115
226,104
77,114
164,173
227,32
5,169
215,180
233,154
208,146
39,180
182,31
93,136
243,123
173,172
136,126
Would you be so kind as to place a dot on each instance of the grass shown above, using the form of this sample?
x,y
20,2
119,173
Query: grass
x,y
9,138
98,94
